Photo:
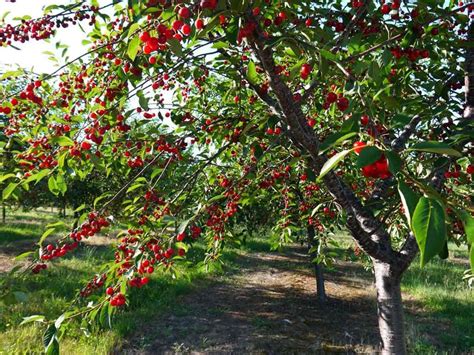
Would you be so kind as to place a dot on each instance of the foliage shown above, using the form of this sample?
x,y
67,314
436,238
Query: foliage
x,y
199,108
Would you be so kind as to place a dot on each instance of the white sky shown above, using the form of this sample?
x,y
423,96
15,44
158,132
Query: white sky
x,y
31,56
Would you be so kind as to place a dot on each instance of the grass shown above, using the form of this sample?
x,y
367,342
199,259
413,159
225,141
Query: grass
x,y
444,301
26,225
437,300
50,292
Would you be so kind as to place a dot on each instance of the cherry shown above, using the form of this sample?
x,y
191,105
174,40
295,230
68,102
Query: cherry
x,y
145,36
109,291
358,146
199,24
186,29
385,9
85,145
331,97
342,103
184,12
305,71
364,120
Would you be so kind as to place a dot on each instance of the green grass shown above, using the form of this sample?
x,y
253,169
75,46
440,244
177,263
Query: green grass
x,y
440,305
438,301
26,226
444,301
50,292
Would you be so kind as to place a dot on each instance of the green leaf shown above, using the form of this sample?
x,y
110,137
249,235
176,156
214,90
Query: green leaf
x,y
435,147
332,162
428,225
468,222
23,255
252,75
335,139
471,258
63,141
444,253
409,200
6,176
175,47
367,156
53,186
53,347
9,190
61,184
133,47
45,235
328,55
49,335
35,318
394,162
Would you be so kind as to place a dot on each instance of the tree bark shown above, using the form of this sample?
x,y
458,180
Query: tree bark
x,y
318,269
389,309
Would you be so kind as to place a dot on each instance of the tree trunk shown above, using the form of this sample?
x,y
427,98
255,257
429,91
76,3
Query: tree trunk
x,y
389,309
318,269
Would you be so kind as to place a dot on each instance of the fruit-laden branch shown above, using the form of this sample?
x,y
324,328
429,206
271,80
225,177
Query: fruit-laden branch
x,y
469,76
397,145
365,228
402,34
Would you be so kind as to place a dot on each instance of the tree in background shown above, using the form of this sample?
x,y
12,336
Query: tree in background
x,y
364,98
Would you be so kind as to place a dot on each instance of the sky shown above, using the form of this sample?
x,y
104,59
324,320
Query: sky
x,y
31,55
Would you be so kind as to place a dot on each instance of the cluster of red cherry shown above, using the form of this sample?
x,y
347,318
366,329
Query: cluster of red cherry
x,y
44,27
341,101
93,285
88,229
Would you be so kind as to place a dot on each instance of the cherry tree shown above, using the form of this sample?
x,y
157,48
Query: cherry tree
x,y
187,99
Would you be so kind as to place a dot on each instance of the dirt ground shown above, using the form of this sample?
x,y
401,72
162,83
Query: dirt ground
x,y
269,307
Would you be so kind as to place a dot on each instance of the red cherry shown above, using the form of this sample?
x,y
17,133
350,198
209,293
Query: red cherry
x,y
199,24
331,97
470,169
256,11
177,24
186,29
364,120
358,146
145,36
305,71
109,291
385,9
85,145
184,12
342,103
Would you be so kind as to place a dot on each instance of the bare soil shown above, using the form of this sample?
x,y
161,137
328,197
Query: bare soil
x,y
268,307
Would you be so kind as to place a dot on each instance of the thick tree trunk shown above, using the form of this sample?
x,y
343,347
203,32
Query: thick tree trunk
x,y
318,269
389,309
